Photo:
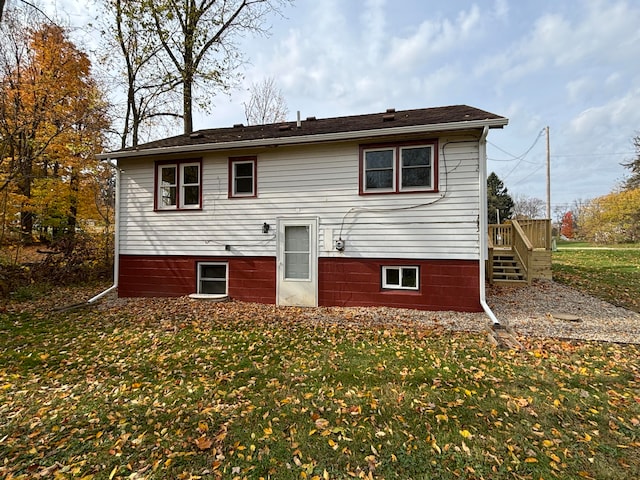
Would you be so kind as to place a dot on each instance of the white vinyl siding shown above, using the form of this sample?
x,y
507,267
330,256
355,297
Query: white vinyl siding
x,y
317,181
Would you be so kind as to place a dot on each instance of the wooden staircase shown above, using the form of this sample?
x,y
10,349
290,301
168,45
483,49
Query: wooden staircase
x,y
507,269
519,251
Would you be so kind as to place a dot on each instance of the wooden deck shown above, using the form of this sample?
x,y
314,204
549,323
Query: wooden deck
x,y
519,251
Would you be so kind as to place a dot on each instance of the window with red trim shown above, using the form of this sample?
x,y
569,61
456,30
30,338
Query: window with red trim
x,y
178,185
398,168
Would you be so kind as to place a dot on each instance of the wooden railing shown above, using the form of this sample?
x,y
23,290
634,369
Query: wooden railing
x,y
538,232
501,235
523,249
489,273
521,236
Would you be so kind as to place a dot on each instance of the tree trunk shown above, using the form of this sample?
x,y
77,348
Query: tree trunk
x,y
24,188
187,105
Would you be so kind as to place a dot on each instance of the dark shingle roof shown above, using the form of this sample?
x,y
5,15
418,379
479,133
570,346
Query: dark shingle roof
x,y
312,126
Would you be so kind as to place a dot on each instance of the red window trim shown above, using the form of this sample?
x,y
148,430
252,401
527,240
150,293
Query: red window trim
x,y
246,158
177,163
397,146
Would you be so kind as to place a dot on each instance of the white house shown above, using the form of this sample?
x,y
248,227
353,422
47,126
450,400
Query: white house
x,y
379,209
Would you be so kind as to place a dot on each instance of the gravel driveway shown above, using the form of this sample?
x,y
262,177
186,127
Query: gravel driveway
x,y
549,309
545,309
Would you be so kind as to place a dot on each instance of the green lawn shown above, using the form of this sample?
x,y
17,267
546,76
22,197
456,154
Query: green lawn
x,y
161,389
610,272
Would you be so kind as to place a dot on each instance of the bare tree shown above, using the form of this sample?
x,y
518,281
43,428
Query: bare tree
x,y
199,38
35,7
267,103
528,207
150,91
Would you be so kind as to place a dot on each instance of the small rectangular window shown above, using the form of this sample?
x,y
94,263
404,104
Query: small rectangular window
x,y
400,278
190,185
379,171
416,168
168,186
212,278
242,177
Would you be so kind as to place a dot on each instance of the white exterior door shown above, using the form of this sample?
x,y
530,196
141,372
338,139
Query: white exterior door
x,y
297,260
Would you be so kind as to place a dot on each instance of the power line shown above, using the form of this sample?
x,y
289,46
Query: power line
x,y
516,157
524,154
591,154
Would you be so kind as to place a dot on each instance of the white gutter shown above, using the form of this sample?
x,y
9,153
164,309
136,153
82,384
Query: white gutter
x,y
116,240
484,225
312,138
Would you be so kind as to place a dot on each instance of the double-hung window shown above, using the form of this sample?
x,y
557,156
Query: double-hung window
x,y
400,278
398,168
242,177
178,185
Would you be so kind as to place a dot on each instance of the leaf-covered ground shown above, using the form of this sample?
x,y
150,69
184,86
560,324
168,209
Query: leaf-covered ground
x,y
173,389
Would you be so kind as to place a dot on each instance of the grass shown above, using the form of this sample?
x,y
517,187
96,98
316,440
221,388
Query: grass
x,y
247,391
611,273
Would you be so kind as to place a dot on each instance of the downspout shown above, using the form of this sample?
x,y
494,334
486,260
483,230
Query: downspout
x,y
116,240
484,226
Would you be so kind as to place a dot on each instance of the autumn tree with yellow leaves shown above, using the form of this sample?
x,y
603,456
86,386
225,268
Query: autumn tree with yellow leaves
x,y
52,122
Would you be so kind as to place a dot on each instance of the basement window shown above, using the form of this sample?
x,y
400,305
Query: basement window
x,y
212,278
400,278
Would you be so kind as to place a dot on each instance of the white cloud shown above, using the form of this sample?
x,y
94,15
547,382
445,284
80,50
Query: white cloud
x,y
501,9
620,115
578,89
432,38
374,29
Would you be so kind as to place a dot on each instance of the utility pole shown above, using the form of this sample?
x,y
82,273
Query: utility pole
x,y
548,176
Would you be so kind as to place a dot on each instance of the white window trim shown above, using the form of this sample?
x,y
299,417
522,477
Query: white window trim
x,y
387,286
234,192
393,169
160,186
200,278
184,185
401,167
179,186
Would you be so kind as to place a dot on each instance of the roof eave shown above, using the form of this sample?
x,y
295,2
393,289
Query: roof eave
x,y
307,139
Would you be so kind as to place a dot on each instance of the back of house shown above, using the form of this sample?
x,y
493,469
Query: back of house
x,y
378,209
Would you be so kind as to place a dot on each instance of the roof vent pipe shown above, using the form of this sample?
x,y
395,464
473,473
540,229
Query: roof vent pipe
x,y
299,123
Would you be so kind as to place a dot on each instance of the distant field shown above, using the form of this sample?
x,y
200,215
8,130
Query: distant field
x,y
611,272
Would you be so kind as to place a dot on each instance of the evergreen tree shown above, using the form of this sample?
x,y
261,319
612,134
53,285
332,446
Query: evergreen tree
x,y
634,180
498,200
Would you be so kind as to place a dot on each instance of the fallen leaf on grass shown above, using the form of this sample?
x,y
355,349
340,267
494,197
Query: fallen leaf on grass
x,y
204,442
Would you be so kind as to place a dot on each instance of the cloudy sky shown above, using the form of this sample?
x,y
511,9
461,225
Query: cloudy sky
x,y
572,65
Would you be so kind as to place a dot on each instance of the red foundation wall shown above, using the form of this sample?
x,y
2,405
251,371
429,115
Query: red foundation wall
x,y
444,284
251,279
